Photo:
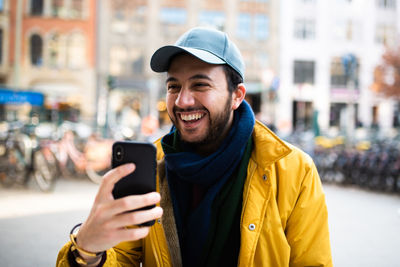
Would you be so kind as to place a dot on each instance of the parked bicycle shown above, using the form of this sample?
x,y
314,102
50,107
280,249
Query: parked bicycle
x,y
20,157
68,156
15,154
372,165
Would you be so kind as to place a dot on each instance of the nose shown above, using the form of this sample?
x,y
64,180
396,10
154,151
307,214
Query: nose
x,y
185,98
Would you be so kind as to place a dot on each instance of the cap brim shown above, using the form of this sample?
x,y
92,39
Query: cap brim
x,y
161,58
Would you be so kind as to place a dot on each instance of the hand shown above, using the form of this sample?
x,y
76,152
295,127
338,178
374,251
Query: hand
x,y
106,224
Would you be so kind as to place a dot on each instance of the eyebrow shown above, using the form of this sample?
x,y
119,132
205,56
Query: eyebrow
x,y
194,77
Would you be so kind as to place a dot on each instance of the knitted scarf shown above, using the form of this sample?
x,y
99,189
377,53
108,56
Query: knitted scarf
x,y
186,170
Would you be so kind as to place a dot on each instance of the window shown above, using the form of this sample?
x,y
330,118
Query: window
x,y
243,26
137,61
57,50
252,27
336,118
133,21
348,30
119,23
212,18
261,31
76,9
339,76
173,16
304,29
172,21
304,72
396,115
1,46
36,7
302,115
54,47
334,113
76,51
118,57
57,8
36,50
1,5
385,34
387,4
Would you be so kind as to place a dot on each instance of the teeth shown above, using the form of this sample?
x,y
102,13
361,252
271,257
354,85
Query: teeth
x,y
191,117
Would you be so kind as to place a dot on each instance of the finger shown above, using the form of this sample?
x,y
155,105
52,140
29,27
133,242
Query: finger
x,y
113,176
137,217
134,202
132,234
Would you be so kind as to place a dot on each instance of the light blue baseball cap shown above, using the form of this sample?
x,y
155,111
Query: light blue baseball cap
x,y
209,45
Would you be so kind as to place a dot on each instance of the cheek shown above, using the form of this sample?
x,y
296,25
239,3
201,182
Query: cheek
x,y
170,101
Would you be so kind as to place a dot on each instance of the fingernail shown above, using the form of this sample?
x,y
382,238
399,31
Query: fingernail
x,y
156,196
130,167
160,210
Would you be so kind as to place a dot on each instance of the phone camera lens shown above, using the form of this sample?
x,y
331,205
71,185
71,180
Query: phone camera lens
x,y
118,153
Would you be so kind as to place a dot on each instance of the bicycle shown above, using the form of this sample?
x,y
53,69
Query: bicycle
x,y
93,161
15,153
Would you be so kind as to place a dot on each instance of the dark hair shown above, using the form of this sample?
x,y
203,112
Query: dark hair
x,y
232,77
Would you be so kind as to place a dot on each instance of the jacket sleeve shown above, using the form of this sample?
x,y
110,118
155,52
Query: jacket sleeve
x,y
124,254
307,227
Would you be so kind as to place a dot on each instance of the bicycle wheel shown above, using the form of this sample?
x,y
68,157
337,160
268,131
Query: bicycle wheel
x,y
7,177
95,176
45,169
13,168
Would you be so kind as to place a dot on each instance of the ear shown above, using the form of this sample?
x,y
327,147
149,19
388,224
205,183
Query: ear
x,y
238,96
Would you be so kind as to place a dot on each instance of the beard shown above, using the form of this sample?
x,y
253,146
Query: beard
x,y
217,129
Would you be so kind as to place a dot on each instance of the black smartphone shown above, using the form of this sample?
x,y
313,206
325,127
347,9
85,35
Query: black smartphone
x,y
143,179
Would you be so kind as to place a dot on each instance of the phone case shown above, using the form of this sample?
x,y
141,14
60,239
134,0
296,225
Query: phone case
x,y
143,179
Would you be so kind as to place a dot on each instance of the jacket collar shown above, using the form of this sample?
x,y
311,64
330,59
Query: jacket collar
x,y
268,148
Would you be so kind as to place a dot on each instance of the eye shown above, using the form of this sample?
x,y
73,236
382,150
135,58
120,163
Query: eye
x,y
200,85
173,87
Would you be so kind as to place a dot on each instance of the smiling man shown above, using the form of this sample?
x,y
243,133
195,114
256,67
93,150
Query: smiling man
x,y
231,192
199,102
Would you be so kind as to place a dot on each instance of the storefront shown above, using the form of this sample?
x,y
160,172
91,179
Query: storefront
x,y
63,101
19,105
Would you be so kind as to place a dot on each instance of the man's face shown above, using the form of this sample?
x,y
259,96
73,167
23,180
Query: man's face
x,y
198,101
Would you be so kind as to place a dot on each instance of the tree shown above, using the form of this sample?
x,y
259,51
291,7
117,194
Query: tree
x,y
387,75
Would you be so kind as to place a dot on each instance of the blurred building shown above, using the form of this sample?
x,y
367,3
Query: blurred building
x,y
4,39
137,28
309,63
329,50
48,46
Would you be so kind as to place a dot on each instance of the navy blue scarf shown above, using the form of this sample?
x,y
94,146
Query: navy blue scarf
x,y
186,168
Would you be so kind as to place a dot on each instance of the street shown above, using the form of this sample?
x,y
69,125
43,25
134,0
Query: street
x,y
364,226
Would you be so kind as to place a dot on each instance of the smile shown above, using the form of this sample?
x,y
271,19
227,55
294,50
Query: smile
x,y
191,117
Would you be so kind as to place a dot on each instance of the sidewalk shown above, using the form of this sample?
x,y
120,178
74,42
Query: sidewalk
x,y
364,226
69,194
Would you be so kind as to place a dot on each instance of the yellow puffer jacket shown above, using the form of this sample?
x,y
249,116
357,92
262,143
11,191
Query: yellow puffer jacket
x,y
284,218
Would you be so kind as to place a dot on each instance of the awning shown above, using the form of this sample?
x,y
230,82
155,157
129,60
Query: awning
x,y
21,97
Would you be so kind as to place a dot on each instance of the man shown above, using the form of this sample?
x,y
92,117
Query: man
x,y
232,193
